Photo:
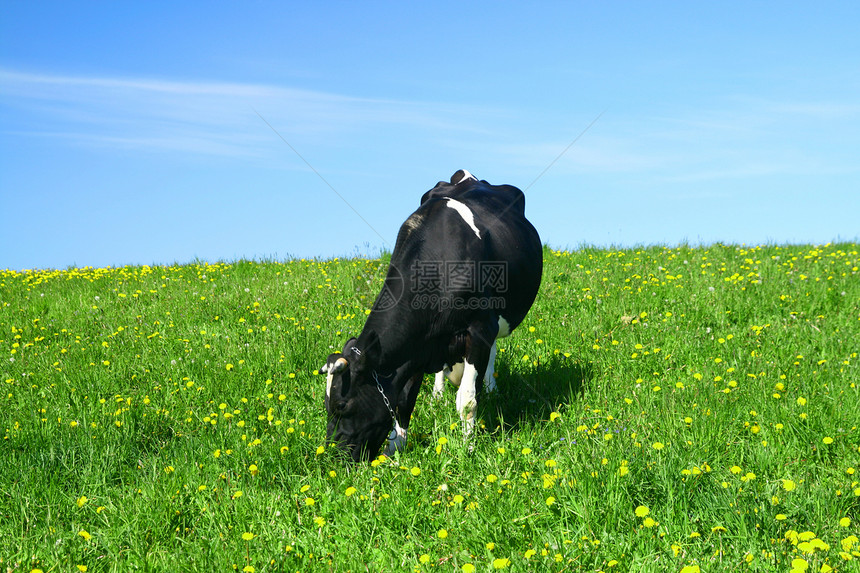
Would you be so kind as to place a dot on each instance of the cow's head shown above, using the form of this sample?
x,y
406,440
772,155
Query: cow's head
x,y
358,419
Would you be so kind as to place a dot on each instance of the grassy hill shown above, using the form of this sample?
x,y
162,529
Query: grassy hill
x,y
660,409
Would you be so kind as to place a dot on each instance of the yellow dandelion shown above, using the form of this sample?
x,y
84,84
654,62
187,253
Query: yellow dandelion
x,y
845,522
81,501
788,485
642,511
468,568
247,536
658,446
83,533
501,563
416,471
349,491
442,533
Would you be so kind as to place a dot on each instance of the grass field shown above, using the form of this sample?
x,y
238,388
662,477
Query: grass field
x,y
660,409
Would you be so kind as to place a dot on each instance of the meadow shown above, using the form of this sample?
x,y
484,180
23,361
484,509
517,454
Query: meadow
x,y
661,409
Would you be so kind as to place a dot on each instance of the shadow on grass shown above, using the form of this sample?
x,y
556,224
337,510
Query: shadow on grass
x,y
526,397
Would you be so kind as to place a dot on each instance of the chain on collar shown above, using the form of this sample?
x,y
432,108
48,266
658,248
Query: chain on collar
x,y
384,397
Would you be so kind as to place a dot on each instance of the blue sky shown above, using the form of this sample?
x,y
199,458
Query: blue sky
x,y
139,133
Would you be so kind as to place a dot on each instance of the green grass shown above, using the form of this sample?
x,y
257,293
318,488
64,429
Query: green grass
x,y
152,416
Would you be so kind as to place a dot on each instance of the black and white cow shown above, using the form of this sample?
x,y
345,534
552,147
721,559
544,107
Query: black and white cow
x,y
465,270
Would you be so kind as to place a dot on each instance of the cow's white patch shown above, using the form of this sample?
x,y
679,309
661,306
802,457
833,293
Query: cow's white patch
x,y
466,176
504,328
465,213
339,366
467,403
396,440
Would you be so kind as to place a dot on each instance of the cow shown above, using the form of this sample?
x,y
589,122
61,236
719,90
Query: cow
x,y
465,270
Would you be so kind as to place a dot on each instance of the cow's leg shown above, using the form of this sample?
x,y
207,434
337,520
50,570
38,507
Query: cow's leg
x,y
481,339
439,384
489,379
403,414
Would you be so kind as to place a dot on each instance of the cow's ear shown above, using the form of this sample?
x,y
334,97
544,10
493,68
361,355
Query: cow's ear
x,y
371,351
339,365
349,345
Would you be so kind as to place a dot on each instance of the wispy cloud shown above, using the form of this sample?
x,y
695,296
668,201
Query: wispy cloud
x,y
205,117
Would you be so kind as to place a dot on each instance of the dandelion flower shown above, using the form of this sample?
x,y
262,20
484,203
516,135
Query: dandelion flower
x,y
81,501
658,446
501,563
827,440
83,533
491,478
468,568
642,511
416,471
349,491
442,533
247,536
788,485
845,522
